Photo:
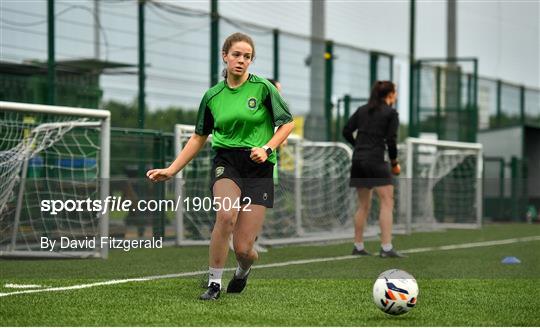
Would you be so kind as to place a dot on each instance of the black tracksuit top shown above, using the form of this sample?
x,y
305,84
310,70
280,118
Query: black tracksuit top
x,y
374,131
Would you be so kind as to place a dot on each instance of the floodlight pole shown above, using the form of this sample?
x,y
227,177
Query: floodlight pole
x,y
97,49
412,36
142,72
275,34
317,124
451,50
452,76
214,40
142,86
51,62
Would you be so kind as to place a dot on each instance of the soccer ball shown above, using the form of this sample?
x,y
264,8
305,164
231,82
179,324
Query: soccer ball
x,y
395,292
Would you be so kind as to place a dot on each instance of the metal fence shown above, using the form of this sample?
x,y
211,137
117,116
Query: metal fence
x,y
504,104
451,101
103,45
505,189
445,99
176,53
133,152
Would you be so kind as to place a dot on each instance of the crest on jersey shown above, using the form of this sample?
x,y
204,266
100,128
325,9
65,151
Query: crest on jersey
x,y
219,171
252,103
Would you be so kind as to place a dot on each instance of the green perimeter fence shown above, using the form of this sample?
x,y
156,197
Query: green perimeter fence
x,y
179,67
452,102
172,63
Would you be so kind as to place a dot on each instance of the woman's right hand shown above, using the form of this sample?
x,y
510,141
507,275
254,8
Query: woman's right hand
x,y
396,169
158,175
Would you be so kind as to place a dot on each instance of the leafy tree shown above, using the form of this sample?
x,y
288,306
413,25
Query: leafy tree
x,y
125,115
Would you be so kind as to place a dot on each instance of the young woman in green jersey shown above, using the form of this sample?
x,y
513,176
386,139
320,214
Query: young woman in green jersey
x,y
241,113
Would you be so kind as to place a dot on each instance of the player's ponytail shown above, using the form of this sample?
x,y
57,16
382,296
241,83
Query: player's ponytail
x,y
379,92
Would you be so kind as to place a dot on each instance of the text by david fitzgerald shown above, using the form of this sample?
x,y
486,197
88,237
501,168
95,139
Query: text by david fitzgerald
x,y
93,243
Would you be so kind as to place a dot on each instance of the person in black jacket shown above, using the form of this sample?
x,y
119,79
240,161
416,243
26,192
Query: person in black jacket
x,y
376,125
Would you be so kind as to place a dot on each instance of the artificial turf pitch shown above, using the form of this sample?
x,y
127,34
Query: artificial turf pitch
x,y
458,287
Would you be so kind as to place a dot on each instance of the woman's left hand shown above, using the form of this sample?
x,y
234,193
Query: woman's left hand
x,y
258,155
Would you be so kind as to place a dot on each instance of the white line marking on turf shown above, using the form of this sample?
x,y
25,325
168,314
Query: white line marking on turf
x,y
21,286
275,265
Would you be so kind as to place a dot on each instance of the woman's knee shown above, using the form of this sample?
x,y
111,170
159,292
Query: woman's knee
x,y
387,199
226,218
364,207
243,250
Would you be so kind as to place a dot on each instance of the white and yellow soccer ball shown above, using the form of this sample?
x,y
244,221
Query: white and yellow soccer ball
x,y
395,292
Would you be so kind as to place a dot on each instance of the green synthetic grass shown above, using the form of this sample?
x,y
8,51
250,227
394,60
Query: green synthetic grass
x,y
465,287
275,302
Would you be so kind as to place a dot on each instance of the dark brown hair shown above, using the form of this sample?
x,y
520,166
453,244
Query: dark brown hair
x,y
238,37
274,82
232,39
379,92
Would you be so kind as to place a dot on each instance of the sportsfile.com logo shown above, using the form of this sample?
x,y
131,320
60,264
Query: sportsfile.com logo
x,y
109,204
113,203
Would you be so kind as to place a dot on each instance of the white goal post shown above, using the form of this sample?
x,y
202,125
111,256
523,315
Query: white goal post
x,y
442,188
52,153
312,200
443,184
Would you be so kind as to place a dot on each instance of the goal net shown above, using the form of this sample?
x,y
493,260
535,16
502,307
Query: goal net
x,y
440,187
312,199
52,155
443,185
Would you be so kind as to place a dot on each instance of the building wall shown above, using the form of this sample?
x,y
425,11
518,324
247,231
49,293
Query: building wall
x,y
532,151
505,143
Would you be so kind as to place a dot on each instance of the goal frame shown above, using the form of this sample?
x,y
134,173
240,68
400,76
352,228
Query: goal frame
x,y
104,124
301,235
476,147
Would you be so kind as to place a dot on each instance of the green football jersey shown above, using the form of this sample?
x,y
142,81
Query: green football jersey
x,y
242,117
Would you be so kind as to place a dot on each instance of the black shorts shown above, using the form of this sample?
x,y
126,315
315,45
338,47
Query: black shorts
x,y
369,174
254,180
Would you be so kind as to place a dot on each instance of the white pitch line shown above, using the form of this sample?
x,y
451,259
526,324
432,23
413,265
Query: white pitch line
x,y
473,245
22,286
275,265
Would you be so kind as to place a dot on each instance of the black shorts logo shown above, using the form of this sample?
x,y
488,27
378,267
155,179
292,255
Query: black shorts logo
x,y
252,103
265,196
219,171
